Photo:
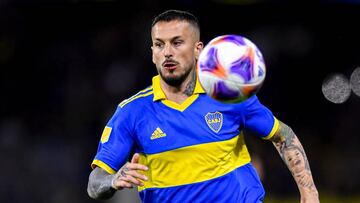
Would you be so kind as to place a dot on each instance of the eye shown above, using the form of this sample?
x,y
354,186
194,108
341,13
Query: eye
x,y
177,43
158,45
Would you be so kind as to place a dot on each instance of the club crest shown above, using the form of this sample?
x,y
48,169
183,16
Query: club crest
x,y
214,121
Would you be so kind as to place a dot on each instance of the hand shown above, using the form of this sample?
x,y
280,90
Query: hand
x,y
128,175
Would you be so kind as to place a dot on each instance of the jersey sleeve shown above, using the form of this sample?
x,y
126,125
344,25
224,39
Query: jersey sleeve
x,y
259,119
115,144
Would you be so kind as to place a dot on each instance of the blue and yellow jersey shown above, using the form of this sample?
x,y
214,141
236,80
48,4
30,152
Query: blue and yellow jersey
x,y
195,151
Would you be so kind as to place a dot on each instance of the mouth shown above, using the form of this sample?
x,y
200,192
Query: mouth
x,y
297,162
170,65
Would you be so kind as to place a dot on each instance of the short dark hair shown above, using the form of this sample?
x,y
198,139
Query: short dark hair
x,y
171,15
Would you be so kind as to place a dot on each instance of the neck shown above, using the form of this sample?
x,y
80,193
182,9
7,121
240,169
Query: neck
x,y
180,93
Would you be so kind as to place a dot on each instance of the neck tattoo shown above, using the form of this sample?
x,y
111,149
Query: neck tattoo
x,y
190,86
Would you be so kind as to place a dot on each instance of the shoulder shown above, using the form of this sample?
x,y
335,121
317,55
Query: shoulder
x,y
140,98
128,110
252,106
252,103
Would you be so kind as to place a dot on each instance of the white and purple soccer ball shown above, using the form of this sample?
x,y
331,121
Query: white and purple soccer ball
x,y
231,68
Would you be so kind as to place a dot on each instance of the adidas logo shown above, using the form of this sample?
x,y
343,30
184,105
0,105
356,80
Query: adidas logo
x,y
157,134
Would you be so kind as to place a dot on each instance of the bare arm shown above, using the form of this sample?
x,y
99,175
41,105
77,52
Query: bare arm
x,y
103,185
293,154
99,185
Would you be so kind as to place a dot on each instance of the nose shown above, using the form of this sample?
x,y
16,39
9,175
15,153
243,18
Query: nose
x,y
168,51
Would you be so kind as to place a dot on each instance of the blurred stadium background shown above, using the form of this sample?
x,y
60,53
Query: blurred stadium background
x,y
66,64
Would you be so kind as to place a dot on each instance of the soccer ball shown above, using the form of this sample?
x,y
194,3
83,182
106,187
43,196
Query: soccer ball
x,y
231,68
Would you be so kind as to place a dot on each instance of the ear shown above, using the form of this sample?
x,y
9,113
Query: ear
x,y
198,48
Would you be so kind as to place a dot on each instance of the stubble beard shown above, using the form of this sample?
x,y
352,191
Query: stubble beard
x,y
175,81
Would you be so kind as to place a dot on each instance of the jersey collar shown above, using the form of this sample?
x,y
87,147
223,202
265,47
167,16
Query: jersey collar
x,y
159,93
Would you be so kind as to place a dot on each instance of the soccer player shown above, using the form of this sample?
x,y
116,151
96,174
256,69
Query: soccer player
x,y
182,145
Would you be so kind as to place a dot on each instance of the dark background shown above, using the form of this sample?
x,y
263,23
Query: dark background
x,y
66,64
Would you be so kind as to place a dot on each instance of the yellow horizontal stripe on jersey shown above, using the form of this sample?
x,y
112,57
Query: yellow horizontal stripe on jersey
x,y
194,164
103,166
122,104
273,130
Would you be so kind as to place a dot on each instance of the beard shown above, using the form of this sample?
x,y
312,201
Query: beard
x,y
173,80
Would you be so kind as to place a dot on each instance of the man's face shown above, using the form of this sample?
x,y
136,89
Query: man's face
x,y
175,49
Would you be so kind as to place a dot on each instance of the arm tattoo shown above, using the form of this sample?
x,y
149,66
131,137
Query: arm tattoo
x,y
293,154
189,90
99,186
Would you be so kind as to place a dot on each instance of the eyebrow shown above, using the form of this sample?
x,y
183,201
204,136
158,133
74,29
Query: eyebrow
x,y
172,39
